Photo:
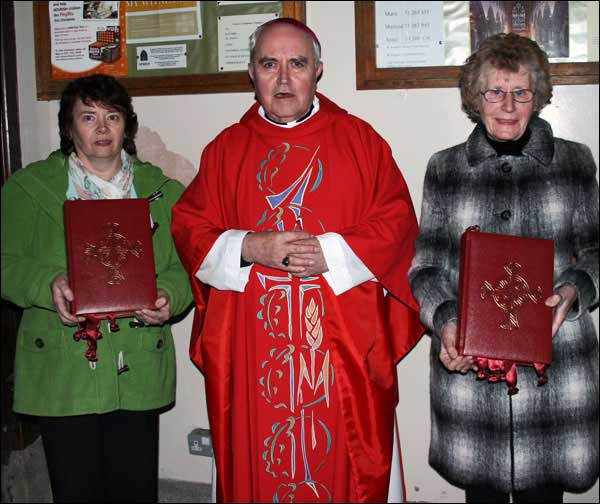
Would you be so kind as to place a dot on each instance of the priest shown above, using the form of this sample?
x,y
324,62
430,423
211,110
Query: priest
x,y
296,227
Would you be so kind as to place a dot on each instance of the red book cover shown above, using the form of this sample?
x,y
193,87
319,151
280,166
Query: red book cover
x,y
504,281
110,256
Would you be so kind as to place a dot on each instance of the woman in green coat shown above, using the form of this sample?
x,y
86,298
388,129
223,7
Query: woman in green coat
x,y
99,421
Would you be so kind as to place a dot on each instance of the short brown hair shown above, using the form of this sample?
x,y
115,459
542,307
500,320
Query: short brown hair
x,y
504,51
103,90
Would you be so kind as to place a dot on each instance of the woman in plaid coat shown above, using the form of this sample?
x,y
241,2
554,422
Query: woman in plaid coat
x,y
512,176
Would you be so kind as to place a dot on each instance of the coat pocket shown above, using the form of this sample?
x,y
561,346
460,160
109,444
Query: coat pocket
x,y
155,339
42,341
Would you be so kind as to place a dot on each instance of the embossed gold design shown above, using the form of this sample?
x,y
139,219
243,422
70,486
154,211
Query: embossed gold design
x,y
296,375
510,293
113,252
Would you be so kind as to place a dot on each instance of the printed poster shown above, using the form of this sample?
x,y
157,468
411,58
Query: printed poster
x,y
163,22
546,22
234,33
161,57
409,34
87,38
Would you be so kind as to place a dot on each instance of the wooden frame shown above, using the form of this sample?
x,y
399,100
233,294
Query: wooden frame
x,y
368,76
226,82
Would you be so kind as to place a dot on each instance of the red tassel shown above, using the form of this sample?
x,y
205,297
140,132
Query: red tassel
x,y
90,332
114,327
540,369
496,370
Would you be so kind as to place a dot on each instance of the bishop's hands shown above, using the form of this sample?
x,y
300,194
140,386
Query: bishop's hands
x,y
448,352
295,252
316,264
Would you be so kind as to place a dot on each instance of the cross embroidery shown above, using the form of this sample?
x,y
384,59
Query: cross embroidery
x,y
511,293
112,251
296,377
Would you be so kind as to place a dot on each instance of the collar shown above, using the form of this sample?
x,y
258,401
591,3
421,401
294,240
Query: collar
x,y
540,145
46,181
311,112
510,147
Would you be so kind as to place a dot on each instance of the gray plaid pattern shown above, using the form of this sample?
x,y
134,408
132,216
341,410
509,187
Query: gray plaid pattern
x,y
550,192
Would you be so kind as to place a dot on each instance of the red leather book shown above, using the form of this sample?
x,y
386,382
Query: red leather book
x,y
110,256
504,282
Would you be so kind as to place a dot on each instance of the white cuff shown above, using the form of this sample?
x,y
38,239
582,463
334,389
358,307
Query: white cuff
x,y
346,270
221,267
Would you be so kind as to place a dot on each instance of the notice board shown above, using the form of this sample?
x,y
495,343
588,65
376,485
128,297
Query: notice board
x,y
422,44
152,47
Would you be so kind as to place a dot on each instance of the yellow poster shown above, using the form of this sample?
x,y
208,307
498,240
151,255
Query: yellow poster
x,y
163,22
157,6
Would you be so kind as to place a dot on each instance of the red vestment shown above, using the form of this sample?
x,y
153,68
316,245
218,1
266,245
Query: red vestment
x,y
300,383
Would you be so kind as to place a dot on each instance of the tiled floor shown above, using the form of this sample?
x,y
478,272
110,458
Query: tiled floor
x,y
25,479
182,491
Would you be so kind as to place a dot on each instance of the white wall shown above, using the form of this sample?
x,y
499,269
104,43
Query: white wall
x,y
416,123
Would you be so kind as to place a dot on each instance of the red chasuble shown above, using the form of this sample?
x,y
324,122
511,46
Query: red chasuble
x,y
301,383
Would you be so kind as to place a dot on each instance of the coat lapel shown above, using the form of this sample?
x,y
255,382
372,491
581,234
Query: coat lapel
x,y
539,147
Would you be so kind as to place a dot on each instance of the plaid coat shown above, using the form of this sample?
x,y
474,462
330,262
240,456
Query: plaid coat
x,y
543,435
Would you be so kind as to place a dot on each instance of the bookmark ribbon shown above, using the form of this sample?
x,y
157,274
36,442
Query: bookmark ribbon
x,y
496,370
89,330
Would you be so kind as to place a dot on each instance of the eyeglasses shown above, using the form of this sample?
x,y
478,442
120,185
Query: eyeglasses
x,y
497,95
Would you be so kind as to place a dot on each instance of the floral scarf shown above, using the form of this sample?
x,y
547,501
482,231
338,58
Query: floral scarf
x,y
86,185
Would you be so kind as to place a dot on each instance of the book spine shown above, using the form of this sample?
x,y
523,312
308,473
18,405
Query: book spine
x,y
465,243
146,204
68,211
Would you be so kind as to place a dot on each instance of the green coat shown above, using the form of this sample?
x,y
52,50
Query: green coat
x,y
52,376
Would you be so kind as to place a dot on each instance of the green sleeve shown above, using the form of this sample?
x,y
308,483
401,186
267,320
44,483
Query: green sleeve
x,y
26,274
174,279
